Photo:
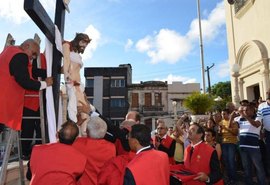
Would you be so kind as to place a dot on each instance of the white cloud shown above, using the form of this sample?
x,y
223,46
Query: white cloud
x,y
49,5
129,44
170,47
223,70
210,26
12,10
165,46
144,44
95,35
171,78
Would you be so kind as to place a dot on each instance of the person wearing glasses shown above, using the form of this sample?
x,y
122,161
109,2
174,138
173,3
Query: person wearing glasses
x,y
163,142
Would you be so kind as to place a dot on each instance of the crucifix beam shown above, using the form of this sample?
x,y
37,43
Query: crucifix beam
x,y
39,15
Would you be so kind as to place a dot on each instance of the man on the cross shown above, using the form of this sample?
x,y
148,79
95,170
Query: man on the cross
x,y
71,68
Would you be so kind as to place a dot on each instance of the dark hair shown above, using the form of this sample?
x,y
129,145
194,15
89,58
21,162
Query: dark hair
x,y
212,119
137,116
212,132
244,102
200,129
77,39
68,133
142,133
226,110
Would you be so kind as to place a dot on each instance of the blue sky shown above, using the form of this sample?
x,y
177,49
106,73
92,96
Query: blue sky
x,y
159,38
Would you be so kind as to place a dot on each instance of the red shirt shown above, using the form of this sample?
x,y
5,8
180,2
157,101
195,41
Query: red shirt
x,y
199,162
112,173
56,164
32,101
12,94
150,167
97,151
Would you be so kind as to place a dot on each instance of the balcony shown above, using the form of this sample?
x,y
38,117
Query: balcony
x,y
153,108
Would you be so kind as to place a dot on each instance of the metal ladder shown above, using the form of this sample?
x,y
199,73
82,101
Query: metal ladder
x,y
15,136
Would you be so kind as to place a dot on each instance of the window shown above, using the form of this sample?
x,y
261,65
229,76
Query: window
x,y
117,83
148,99
91,100
116,122
158,99
238,4
242,6
117,102
135,100
90,83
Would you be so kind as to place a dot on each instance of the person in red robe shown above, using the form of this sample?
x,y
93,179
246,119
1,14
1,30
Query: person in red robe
x,y
58,163
15,78
201,164
149,166
96,149
112,172
163,141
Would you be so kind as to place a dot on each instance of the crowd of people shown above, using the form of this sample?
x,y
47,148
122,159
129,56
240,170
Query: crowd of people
x,y
240,138
213,152
91,150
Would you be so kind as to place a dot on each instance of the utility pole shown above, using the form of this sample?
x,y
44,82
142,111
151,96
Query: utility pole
x,y
208,75
201,45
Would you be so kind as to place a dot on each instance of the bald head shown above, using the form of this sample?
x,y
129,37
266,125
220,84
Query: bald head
x,y
31,48
133,115
68,133
127,124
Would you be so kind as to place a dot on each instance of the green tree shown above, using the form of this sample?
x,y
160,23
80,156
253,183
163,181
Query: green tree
x,y
222,89
198,103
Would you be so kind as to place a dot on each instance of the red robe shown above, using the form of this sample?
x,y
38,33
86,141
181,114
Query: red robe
x,y
11,110
56,164
113,171
97,151
32,101
119,148
166,142
150,167
199,162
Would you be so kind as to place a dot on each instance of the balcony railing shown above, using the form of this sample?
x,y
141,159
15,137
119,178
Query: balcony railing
x,y
152,108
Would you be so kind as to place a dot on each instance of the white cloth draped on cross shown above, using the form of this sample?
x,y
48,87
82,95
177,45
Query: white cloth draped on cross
x,y
49,93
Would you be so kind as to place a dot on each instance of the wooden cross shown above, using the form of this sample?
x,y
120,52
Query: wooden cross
x,y
39,15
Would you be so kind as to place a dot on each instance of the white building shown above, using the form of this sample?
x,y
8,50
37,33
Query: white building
x,y
156,99
248,30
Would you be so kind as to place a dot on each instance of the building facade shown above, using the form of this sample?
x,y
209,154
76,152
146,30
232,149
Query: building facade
x,y
111,91
177,92
248,29
156,99
106,88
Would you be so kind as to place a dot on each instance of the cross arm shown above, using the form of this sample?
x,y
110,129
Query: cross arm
x,y
38,14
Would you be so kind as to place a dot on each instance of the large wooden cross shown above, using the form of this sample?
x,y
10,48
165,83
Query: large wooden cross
x,y
38,14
